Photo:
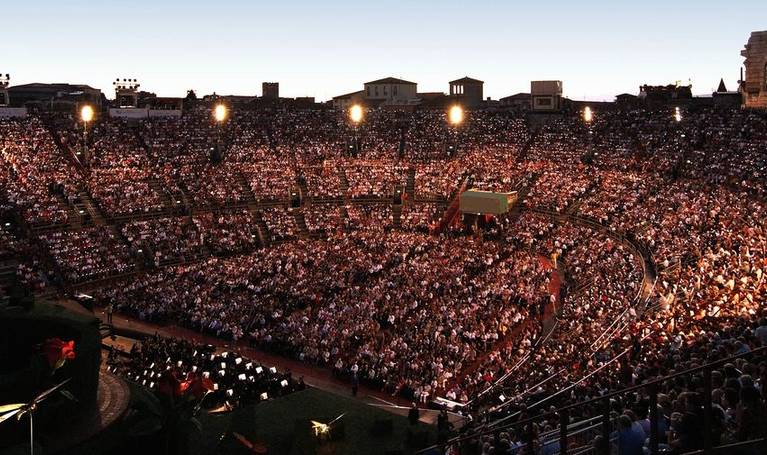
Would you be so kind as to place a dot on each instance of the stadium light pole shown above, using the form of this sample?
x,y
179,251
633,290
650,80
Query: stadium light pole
x,y
356,113
588,118
455,117
220,113
677,114
588,115
86,115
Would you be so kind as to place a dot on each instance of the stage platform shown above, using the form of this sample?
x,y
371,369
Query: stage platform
x,y
113,398
283,426
112,401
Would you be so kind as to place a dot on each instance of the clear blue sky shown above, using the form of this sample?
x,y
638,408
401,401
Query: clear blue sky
x,y
326,48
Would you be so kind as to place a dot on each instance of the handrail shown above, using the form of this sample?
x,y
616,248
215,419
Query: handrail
x,y
572,425
600,398
635,301
621,354
519,363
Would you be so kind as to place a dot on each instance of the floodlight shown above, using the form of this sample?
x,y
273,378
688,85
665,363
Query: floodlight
x,y
355,113
86,113
220,113
588,115
455,115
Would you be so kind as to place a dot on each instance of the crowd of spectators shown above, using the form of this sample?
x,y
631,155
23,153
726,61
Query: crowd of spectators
x,y
654,227
228,232
377,180
88,254
119,171
166,238
34,175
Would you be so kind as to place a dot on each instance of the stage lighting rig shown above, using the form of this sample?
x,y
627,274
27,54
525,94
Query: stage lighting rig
x,y
5,81
126,92
126,84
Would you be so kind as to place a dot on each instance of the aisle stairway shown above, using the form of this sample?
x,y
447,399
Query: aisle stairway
x,y
73,215
263,230
303,230
89,205
168,203
250,198
523,152
410,184
397,215
344,182
303,190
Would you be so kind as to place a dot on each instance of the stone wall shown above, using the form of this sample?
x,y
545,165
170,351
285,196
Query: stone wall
x,y
755,86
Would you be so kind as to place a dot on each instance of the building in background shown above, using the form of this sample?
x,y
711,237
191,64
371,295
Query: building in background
x,y
724,98
754,85
64,96
661,95
270,90
391,91
469,92
546,96
519,101
301,102
433,100
344,102
627,101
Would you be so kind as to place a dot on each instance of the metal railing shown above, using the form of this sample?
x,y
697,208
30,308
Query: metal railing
x,y
606,421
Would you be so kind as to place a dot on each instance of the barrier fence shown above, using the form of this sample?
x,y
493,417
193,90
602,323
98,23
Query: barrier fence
x,y
576,438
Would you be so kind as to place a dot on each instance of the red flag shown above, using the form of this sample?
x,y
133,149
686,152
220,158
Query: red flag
x,y
57,352
183,386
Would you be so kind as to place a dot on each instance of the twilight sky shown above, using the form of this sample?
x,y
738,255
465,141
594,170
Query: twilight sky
x,y
326,48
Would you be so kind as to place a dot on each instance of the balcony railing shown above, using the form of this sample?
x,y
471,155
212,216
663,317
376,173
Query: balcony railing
x,y
575,438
